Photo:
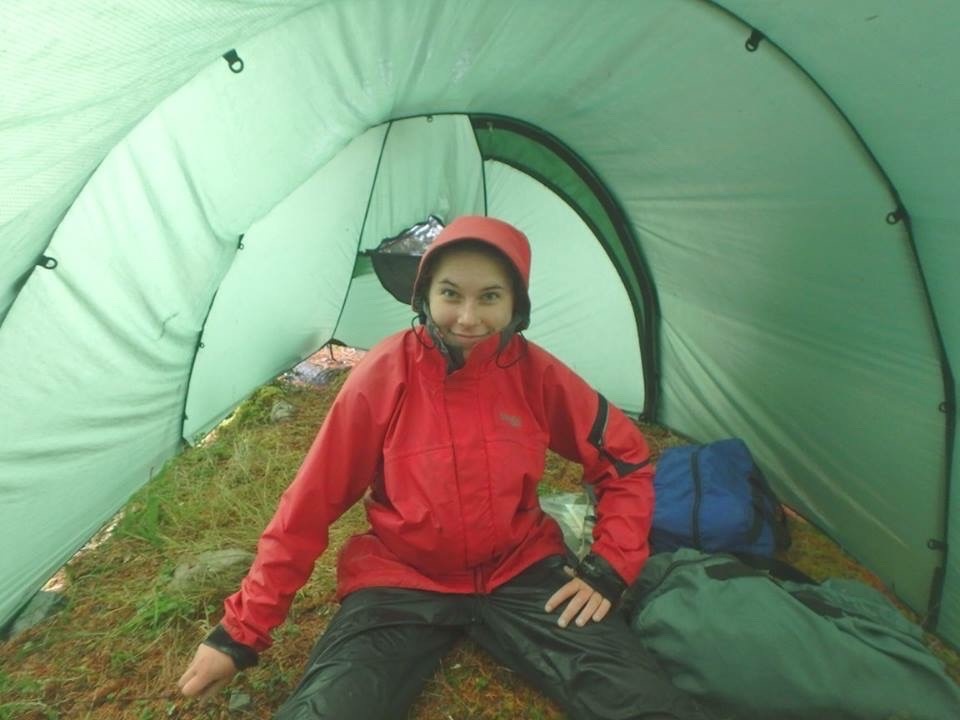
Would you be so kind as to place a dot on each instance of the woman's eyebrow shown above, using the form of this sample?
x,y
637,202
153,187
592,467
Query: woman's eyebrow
x,y
451,283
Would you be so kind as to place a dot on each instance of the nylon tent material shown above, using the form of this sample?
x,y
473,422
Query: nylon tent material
x,y
750,205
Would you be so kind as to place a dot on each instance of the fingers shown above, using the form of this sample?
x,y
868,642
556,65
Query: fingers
x,y
194,683
192,686
602,611
583,604
202,688
208,672
589,608
567,591
213,689
188,681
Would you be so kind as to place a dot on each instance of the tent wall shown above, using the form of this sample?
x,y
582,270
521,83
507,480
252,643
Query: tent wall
x,y
890,67
428,166
96,355
76,78
284,293
792,313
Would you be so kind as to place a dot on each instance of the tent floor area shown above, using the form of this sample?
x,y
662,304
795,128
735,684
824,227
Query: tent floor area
x,y
128,629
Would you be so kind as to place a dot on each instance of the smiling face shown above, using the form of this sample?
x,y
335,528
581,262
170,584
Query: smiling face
x,y
470,296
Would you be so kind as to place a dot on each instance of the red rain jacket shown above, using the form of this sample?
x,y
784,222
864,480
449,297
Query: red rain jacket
x,y
449,466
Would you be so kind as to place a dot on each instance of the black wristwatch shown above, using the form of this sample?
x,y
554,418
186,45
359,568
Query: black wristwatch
x,y
242,655
601,576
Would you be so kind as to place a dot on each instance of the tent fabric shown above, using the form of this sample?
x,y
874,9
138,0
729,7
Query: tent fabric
x,y
744,217
545,159
283,293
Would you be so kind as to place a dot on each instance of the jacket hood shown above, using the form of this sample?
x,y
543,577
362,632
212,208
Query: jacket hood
x,y
502,236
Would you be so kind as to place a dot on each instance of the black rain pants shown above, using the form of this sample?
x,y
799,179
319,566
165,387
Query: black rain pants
x,y
385,643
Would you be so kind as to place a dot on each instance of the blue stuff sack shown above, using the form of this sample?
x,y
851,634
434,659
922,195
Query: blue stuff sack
x,y
714,498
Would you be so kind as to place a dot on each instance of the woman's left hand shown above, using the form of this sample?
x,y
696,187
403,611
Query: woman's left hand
x,y
585,603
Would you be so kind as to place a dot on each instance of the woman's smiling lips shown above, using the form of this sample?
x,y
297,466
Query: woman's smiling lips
x,y
469,339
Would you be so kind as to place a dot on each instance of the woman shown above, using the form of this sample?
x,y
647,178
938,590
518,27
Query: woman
x,y
443,430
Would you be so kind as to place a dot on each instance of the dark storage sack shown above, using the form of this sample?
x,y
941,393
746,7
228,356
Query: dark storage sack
x,y
759,648
396,259
714,498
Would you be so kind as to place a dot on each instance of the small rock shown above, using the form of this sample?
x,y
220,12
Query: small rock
x,y
239,702
281,411
214,562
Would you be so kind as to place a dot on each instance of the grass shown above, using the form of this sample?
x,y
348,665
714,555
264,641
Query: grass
x,y
118,648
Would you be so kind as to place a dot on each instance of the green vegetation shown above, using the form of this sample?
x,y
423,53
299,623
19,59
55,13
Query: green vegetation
x,y
127,634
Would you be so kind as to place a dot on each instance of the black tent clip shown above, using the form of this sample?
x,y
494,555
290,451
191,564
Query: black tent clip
x,y
234,61
240,242
47,262
753,42
896,216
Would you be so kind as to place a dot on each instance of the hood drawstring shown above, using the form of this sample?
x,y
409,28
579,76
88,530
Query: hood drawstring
x,y
453,355
506,335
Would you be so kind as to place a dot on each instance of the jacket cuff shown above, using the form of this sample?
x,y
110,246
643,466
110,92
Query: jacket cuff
x,y
242,655
601,576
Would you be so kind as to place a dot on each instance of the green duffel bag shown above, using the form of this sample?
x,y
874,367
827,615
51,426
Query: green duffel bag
x,y
757,647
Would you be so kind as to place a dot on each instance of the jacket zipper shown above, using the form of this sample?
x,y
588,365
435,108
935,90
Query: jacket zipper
x,y
456,471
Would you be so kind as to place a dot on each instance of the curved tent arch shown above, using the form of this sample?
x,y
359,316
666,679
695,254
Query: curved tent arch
x,y
791,312
582,190
569,248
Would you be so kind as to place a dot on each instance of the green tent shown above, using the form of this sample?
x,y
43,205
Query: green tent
x,y
745,217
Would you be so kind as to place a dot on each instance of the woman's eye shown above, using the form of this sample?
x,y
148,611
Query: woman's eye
x,y
491,297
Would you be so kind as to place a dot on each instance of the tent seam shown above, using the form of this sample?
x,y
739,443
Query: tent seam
x,y
363,226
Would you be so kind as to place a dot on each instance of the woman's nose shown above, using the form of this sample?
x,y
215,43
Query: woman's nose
x,y
468,314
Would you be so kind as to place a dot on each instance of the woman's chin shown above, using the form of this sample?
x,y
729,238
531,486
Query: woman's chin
x,y
464,343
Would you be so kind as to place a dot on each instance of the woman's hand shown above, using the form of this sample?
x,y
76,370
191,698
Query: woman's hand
x,y
585,603
208,672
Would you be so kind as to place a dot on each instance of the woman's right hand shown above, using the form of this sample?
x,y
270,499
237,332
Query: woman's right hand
x,y
208,673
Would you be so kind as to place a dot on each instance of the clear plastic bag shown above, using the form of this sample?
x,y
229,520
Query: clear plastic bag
x,y
574,512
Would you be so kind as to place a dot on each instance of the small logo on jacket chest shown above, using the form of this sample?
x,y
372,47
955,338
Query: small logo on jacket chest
x,y
511,420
